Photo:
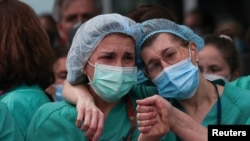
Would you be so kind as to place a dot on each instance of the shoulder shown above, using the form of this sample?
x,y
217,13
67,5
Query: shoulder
x,y
236,91
242,82
56,110
238,96
26,92
28,97
54,121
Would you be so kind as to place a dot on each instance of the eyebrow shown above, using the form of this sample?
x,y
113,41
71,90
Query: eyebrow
x,y
151,61
129,53
154,59
164,51
112,52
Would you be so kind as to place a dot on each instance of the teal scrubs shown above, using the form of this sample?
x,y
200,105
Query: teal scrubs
x,y
242,82
9,131
56,122
22,102
235,105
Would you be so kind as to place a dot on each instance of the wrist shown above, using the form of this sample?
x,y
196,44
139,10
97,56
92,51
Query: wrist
x,y
173,121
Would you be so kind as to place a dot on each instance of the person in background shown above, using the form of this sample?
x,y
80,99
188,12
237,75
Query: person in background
x,y
146,12
102,55
219,59
244,80
9,130
49,25
26,62
200,21
69,12
60,72
235,30
245,56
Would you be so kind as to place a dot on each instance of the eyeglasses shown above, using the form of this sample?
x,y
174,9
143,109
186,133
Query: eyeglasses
x,y
171,55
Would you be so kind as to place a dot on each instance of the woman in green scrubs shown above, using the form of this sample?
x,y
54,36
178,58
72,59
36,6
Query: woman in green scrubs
x,y
102,56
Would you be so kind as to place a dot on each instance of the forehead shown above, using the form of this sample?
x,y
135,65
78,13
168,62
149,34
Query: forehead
x,y
210,55
116,42
78,5
210,52
159,42
165,38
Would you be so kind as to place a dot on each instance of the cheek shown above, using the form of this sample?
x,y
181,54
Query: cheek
x,y
90,72
59,81
225,71
144,55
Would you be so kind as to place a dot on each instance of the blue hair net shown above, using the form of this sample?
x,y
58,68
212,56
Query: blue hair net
x,y
154,26
89,35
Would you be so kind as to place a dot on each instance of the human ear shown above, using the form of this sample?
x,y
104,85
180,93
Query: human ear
x,y
84,70
194,52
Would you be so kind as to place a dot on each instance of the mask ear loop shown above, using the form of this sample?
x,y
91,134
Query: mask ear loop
x,y
87,74
91,64
189,50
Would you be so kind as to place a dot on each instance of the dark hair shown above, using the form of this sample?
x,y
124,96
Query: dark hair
x,y
25,52
60,51
205,23
146,12
227,49
51,29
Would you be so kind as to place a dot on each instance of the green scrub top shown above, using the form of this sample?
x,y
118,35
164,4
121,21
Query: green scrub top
x,y
242,82
9,130
22,102
235,105
56,122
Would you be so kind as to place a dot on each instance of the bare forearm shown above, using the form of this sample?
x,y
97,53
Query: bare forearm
x,y
187,128
73,93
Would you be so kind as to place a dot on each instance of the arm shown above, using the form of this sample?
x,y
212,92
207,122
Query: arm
x,y
167,118
86,108
187,128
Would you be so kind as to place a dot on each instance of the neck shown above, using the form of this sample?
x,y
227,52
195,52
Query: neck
x,y
104,106
200,104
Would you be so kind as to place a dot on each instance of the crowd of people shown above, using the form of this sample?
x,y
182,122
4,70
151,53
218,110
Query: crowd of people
x,y
78,74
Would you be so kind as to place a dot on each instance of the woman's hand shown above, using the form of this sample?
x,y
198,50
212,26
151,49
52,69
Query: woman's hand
x,y
89,118
154,117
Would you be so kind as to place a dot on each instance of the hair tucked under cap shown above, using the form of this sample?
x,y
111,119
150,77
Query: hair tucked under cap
x,y
154,26
89,35
160,25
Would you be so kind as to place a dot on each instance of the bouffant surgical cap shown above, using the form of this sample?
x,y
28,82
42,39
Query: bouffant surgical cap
x,y
89,35
154,26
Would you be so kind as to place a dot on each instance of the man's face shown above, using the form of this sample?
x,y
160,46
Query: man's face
x,y
76,11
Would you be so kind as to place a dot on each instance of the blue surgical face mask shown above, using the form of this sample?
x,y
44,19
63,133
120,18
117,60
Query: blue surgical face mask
x,y
111,83
178,81
59,88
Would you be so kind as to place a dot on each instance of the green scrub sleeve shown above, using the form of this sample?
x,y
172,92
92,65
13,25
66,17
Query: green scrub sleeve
x,y
9,130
